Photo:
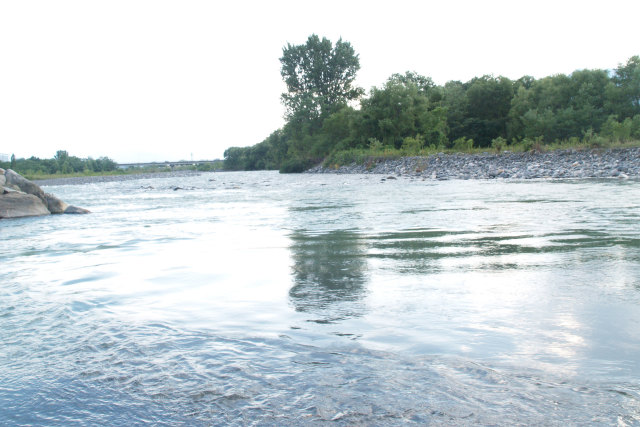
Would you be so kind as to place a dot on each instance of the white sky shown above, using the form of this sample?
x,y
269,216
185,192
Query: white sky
x,y
166,80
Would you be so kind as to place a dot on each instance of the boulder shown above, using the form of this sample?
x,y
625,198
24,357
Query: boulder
x,y
19,183
20,197
55,205
15,204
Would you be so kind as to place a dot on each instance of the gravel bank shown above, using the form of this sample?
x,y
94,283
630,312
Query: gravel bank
x,y
616,163
111,178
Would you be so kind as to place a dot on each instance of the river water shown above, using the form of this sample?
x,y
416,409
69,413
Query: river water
x,y
259,298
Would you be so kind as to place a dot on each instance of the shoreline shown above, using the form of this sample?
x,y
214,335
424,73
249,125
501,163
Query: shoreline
x,y
558,164
618,163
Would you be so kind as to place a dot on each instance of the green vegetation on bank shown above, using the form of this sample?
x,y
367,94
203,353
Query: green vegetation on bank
x,y
330,120
370,156
62,165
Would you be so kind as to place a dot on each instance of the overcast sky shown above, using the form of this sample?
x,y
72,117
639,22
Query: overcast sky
x,y
167,80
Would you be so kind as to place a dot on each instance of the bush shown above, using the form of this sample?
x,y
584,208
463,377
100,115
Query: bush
x,y
498,144
617,131
411,145
296,165
574,140
635,126
463,144
375,145
599,142
344,157
587,136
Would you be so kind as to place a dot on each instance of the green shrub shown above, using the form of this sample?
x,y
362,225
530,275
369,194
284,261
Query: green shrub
x,y
375,145
412,145
587,136
498,144
463,144
574,140
617,131
635,126
599,142
296,165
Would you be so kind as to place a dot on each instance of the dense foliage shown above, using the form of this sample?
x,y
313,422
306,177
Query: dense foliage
x,y
61,163
410,114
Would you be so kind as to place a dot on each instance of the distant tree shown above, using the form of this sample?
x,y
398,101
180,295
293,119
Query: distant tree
x,y
627,88
13,161
235,158
402,109
488,100
560,107
454,100
425,85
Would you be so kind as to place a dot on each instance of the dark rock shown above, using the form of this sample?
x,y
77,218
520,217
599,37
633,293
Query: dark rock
x,y
75,210
16,205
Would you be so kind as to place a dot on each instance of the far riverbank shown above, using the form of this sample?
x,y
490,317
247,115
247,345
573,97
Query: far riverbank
x,y
79,180
611,163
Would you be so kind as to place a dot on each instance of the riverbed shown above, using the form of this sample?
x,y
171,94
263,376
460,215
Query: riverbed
x,y
259,298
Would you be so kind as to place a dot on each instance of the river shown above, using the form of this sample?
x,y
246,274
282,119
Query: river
x,y
267,299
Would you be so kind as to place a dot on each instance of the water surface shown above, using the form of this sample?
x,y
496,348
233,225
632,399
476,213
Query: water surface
x,y
259,298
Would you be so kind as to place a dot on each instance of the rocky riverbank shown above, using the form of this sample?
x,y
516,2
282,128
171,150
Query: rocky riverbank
x,y
615,163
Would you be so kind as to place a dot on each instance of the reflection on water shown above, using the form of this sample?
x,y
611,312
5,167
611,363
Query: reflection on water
x,y
329,274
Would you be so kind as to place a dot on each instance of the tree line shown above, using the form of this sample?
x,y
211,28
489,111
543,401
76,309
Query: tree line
x,y
326,114
61,163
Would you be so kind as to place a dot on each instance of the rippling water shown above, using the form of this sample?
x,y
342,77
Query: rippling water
x,y
258,298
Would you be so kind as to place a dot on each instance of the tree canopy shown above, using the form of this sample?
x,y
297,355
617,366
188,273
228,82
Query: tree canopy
x,y
409,112
319,76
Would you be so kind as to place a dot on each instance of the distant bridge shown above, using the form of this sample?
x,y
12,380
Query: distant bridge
x,y
166,164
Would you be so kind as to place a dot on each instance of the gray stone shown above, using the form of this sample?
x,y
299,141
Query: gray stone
x,y
555,164
3,180
16,205
18,182
55,205
6,190
75,210
20,197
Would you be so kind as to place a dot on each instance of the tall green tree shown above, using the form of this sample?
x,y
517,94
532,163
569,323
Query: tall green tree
x,y
487,104
319,76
